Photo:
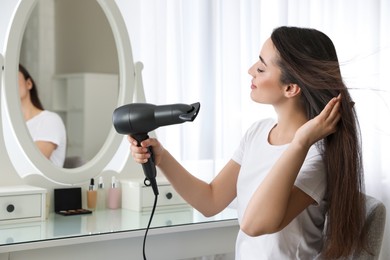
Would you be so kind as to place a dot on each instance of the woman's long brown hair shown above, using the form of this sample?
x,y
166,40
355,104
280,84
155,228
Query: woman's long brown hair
x,y
33,91
308,58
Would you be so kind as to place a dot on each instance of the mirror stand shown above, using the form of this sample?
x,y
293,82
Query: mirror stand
x,y
23,153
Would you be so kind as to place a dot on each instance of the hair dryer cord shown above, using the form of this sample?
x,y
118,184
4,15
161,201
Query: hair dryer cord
x,y
150,221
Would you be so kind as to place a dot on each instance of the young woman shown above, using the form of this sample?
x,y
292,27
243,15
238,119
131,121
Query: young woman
x,y
292,173
46,128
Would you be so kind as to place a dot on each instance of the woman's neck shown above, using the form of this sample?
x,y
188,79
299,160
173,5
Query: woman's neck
x,y
29,110
289,120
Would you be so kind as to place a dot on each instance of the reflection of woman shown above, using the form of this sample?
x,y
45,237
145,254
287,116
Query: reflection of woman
x,y
288,173
46,128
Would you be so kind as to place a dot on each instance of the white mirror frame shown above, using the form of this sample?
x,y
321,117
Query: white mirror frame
x,y
23,153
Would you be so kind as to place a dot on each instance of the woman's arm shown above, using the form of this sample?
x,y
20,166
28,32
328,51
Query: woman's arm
x,y
277,201
208,198
46,148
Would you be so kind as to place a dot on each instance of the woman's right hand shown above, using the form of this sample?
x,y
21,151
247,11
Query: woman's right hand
x,y
140,154
322,125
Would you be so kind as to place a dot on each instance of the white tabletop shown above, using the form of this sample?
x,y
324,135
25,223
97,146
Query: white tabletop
x,y
104,224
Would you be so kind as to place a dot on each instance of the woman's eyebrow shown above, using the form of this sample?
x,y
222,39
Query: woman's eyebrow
x,y
262,60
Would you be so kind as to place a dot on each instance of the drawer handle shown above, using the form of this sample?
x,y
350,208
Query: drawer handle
x,y
169,195
10,208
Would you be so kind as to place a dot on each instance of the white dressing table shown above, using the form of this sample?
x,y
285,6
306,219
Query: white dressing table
x,y
108,234
118,234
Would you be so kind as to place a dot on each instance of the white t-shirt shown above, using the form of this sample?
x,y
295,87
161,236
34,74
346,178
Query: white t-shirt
x,y
303,237
48,126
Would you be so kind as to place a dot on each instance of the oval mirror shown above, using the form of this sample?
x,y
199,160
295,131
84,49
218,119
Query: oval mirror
x,y
23,153
62,51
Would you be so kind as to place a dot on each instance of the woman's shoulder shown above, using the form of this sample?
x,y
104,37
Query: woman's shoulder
x,y
49,116
266,123
260,126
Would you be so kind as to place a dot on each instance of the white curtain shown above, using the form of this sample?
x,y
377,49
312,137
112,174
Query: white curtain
x,y
200,51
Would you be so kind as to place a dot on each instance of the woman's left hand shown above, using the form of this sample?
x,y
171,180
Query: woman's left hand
x,y
320,126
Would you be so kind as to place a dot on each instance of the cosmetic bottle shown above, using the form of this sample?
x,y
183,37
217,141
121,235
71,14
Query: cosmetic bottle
x,y
91,195
101,195
114,194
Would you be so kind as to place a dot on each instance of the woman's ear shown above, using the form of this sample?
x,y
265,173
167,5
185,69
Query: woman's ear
x,y
29,84
292,90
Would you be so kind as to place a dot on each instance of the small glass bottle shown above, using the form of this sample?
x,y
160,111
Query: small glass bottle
x,y
114,194
91,195
101,195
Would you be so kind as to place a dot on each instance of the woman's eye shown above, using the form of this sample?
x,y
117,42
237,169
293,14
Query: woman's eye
x,y
260,70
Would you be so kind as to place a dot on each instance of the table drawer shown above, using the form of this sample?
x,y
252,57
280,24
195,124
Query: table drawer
x,y
137,196
167,196
22,204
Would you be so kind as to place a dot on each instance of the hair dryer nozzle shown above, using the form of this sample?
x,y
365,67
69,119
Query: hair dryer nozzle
x,y
139,118
191,115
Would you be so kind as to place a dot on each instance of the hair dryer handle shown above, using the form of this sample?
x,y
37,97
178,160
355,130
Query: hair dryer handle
x,y
149,167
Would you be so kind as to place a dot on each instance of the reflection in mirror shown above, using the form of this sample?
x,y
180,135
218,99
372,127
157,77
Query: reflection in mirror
x,y
70,51
28,162
45,127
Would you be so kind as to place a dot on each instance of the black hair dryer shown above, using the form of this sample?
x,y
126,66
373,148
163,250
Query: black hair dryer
x,y
138,119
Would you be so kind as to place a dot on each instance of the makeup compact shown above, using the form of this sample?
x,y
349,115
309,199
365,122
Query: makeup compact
x,y
68,202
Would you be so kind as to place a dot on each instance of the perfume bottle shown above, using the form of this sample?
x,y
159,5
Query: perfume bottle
x,y
91,195
101,195
114,194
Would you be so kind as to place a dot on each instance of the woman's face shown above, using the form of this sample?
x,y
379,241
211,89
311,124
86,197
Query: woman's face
x,y
24,87
266,86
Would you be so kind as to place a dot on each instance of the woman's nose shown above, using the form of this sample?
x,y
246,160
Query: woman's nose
x,y
250,71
